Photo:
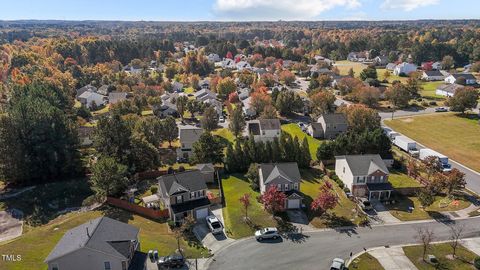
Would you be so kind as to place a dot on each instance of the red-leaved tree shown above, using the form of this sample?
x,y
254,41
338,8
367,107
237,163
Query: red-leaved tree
x,y
245,200
233,97
325,200
273,200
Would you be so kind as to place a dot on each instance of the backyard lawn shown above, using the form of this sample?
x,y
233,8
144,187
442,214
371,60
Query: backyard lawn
x,y
429,89
365,262
401,180
225,133
345,65
453,135
463,261
295,131
35,245
234,187
401,211
343,214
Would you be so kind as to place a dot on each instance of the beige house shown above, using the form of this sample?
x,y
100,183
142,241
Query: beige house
x,y
101,243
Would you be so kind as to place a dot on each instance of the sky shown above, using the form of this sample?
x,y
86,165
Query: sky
x,y
238,10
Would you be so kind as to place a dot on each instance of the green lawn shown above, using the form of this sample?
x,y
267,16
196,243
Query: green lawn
x,y
441,204
401,180
463,261
345,213
226,134
365,262
189,90
234,187
429,90
345,65
35,245
295,131
453,135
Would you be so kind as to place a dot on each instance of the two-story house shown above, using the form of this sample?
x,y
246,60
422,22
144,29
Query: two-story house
x,y
364,175
101,243
328,126
286,177
264,129
188,135
184,194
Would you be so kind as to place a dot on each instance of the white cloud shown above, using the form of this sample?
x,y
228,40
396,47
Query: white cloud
x,y
407,5
277,9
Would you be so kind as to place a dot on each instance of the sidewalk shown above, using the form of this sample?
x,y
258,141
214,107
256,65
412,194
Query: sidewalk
x,y
393,258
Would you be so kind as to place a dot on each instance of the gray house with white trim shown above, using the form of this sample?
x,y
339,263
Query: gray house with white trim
x,y
286,177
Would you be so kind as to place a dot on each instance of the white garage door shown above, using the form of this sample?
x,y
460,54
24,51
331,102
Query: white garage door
x,y
201,213
293,204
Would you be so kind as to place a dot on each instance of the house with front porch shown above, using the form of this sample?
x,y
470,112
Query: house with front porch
x,y
286,177
184,194
364,175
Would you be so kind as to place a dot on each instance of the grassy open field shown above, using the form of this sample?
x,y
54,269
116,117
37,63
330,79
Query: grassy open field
x,y
344,66
454,135
35,245
463,261
365,262
343,214
295,131
234,187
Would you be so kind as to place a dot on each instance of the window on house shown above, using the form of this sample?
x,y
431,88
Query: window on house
x,y
360,179
179,199
107,266
192,195
295,186
381,178
124,265
279,187
287,187
55,267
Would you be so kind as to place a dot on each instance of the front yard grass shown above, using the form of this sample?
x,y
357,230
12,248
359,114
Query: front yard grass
x,y
295,131
463,261
35,245
429,89
345,213
365,262
226,134
400,209
453,135
234,186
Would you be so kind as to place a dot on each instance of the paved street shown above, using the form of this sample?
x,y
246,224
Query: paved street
x,y
317,249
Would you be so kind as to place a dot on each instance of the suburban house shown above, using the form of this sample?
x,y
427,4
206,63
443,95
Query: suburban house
x,y
364,175
103,90
469,78
264,129
184,194
86,88
381,60
286,177
242,65
358,56
432,75
328,126
247,108
204,95
204,84
208,172
391,66
227,63
115,97
92,99
243,93
101,243
447,90
166,109
188,135
177,87
404,69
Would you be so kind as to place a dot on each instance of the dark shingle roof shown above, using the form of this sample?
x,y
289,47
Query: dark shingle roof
x,y
450,88
467,76
102,232
365,164
269,124
272,171
433,73
189,133
206,167
182,182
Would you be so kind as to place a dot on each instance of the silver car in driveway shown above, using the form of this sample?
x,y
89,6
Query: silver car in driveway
x,y
214,224
267,233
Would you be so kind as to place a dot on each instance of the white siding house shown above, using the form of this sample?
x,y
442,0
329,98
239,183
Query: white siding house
x,y
404,68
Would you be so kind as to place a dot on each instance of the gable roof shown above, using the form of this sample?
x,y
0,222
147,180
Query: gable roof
x,y
187,181
269,124
189,133
334,118
114,97
287,171
88,94
206,167
102,234
364,164
433,73
467,76
450,88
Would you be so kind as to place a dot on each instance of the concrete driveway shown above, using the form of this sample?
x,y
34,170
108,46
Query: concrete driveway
x,y
213,242
382,214
393,258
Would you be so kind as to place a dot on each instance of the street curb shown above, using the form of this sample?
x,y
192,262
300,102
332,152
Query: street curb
x,y
350,260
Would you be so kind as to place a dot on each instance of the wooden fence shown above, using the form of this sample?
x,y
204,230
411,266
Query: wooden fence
x,y
143,211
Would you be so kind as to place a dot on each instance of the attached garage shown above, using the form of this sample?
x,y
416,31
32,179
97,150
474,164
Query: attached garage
x,y
293,203
201,213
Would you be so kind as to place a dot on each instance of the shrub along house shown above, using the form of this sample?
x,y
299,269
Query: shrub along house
x,y
184,194
364,175
101,243
286,177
